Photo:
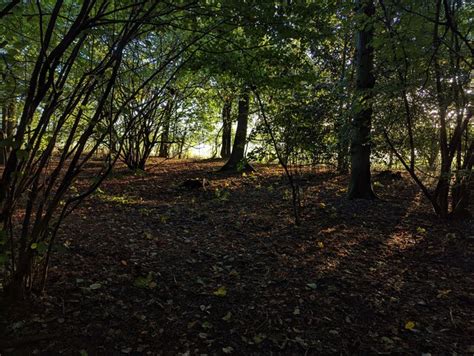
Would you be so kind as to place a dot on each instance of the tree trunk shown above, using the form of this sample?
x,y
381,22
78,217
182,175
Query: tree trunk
x,y
462,189
165,135
237,161
360,184
11,119
8,125
441,193
3,136
226,128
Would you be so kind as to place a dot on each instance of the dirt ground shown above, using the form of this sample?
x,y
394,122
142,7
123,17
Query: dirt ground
x,y
146,266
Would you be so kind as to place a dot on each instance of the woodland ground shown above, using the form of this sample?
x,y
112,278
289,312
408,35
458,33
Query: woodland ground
x,y
148,267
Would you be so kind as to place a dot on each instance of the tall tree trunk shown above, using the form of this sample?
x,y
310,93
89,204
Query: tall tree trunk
x,y
165,135
442,189
360,183
237,161
164,144
226,128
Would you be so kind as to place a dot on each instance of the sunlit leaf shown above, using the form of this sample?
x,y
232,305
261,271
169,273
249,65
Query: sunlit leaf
x,y
220,292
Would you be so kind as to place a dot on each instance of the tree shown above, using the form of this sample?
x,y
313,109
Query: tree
x,y
237,161
360,183
69,111
226,127
8,125
166,123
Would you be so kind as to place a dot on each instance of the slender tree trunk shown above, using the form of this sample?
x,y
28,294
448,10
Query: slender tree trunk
x,y
360,183
462,189
226,128
442,189
8,125
165,135
3,136
11,119
237,161
164,145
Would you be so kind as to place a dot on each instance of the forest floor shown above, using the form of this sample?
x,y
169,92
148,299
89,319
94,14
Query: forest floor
x,y
148,267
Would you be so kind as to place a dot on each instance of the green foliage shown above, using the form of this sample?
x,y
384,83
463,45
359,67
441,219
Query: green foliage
x,y
146,282
222,194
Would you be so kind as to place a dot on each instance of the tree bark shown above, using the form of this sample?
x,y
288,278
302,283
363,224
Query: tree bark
x,y
237,161
442,189
360,184
3,136
226,128
165,135
8,125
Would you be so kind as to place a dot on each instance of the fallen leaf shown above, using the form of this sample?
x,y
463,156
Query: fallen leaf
x,y
206,325
259,338
233,273
228,349
227,316
152,285
95,286
203,335
221,292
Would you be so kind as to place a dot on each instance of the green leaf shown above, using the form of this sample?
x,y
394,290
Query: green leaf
x,y
410,325
259,338
420,230
141,282
22,154
227,317
220,292
42,248
206,325
227,350
145,281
